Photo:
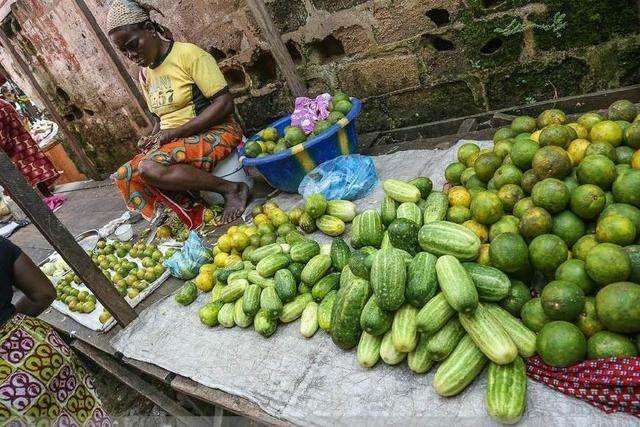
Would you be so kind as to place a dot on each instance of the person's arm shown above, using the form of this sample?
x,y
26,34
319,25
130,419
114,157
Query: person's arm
x,y
220,108
38,291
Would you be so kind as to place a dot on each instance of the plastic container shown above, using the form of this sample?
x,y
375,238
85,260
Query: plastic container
x,y
286,169
124,233
229,169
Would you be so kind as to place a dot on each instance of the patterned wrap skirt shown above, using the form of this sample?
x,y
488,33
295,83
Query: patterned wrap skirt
x,y
42,382
202,151
24,152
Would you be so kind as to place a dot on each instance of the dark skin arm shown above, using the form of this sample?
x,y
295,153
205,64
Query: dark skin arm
x,y
221,106
38,291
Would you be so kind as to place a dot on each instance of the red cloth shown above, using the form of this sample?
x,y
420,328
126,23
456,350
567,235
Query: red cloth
x,y
23,150
612,385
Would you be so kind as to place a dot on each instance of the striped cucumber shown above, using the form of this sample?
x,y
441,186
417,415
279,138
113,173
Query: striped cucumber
x,y
264,324
324,311
456,284
309,320
388,352
448,238
506,396
345,276
410,211
435,207
340,254
460,368
370,230
388,210
304,251
254,277
226,315
434,315
442,343
401,191
264,251
345,317
368,352
489,335
388,279
285,285
316,269
240,317
422,281
233,291
292,310
375,320
491,283
268,266
270,302
251,300
404,333
522,337
325,285
419,360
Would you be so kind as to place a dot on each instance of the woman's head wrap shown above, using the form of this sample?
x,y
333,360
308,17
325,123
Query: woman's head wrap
x,y
127,12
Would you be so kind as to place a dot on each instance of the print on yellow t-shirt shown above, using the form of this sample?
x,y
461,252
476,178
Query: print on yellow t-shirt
x,y
180,87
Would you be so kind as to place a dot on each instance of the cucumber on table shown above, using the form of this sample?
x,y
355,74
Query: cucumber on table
x,y
226,315
270,302
264,324
388,352
492,284
293,310
434,315
422,281
403,330
375,320
316,269
340,254
489,335
506,396
419,360
325,285
460,368
309,320
456,284
285,285
447,238
240,318
251,300
522,337
324,311
345,317
388,279
442,343
368,352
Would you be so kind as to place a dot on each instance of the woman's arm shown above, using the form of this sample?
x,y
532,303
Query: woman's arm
x,y
38,291
216,113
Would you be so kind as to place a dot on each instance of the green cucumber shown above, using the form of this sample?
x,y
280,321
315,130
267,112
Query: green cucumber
x,y
264,324
325,309
456,284
240,317
268,266
492,284
345,317
208,313
346,276
442,343
270,302
522,337
292,310
264,251
489,335
316,269
403,330
434,315
388,352
360,264
401,191
388,209
422,281
419,360
325,285
285,285
304,251
340,254
410,211
226,315
251,300
233,291
448,238
309,320
506,396
375,320
368,352
388,279
435,207
459,369
254,277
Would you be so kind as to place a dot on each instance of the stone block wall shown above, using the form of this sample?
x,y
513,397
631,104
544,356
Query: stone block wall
x,y
412,61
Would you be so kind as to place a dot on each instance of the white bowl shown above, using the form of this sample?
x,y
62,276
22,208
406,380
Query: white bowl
x,y
124,233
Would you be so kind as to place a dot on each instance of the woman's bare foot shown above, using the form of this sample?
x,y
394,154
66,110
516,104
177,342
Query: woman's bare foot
x,y
235,203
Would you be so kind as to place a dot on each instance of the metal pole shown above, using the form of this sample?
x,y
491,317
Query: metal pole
x,y
59,237
85,162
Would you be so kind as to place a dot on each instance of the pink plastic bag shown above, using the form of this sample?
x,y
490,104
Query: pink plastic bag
x,y
309,111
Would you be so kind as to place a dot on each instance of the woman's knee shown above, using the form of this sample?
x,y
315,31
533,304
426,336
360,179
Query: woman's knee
x,y
151,171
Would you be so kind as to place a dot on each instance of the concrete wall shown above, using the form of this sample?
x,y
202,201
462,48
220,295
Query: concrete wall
x,y
413,61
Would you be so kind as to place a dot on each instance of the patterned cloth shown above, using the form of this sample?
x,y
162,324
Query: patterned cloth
x,y
42,381
128,12
201,151
16,141
612,385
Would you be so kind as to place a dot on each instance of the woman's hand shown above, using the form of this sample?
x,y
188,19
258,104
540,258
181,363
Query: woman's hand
x,y
157,139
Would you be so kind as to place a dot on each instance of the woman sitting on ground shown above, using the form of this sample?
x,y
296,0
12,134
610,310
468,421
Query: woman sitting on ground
x,y
42,382
195,130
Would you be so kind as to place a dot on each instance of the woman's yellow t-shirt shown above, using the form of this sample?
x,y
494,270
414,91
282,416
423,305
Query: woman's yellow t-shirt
x,y
180,87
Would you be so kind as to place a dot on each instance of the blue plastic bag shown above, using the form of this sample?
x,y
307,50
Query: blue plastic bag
x,y
185,264
346,178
